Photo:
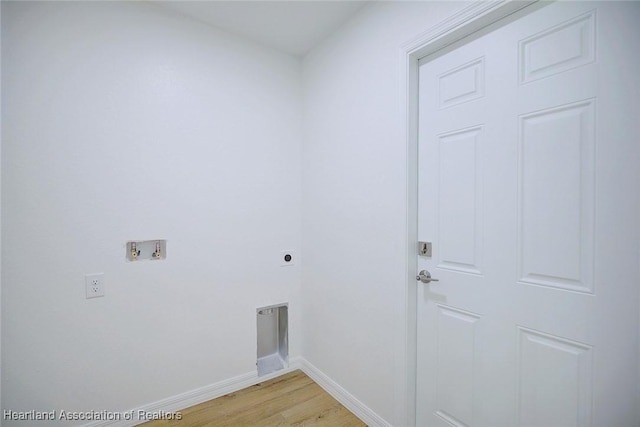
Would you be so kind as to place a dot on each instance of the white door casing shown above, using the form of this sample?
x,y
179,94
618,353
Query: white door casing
x,y
527,175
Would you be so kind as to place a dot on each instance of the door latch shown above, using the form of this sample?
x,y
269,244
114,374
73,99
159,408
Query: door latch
x,y
424,248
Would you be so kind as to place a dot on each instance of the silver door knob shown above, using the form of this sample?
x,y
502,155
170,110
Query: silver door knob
x,y
425,277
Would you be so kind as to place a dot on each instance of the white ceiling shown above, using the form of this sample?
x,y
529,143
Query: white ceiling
x,y
293,27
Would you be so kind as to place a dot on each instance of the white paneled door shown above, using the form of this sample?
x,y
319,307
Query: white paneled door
x,y
528,192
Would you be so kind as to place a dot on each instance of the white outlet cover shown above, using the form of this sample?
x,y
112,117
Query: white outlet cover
x,y
283,258
94,285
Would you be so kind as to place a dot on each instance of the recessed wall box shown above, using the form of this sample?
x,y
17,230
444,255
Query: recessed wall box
x,y
273,338
139,250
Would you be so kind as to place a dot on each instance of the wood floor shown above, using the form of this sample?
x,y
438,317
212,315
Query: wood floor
x,y
290,400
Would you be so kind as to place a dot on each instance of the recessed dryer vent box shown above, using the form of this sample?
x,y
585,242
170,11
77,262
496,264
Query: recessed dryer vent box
x,y
153,250
273,338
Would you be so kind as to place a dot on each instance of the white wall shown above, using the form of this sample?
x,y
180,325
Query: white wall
x,y
126,122
0,214
354,203
120,122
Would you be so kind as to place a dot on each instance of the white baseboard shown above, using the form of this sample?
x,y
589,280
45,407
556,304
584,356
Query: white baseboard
x,y
194,397
184,400
359,409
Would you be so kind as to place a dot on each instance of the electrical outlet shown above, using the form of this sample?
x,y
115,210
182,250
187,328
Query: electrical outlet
x,y
287,258
94,284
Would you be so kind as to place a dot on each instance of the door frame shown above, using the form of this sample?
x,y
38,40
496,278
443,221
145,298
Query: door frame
x,y
462,24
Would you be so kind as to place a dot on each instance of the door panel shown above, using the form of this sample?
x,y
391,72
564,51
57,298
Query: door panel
x,y
555,203
527,189
563,395
459,218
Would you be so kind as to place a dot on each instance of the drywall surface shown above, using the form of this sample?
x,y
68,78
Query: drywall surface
x,y
354,202
0,214
125,122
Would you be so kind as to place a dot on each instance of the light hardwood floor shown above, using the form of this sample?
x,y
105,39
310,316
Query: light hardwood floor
x,y
289,400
